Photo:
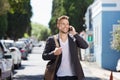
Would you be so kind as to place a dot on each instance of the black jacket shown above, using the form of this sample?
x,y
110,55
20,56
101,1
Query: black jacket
x,y
73,44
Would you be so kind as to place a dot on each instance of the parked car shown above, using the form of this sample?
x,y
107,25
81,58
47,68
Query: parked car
x,y
16,54
23,49
28,43
5,65
9,43
118,66
7,52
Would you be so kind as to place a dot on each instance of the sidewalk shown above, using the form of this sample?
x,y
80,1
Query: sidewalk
x,y
93,72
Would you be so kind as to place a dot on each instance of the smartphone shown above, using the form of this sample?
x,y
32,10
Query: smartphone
x,y
70,29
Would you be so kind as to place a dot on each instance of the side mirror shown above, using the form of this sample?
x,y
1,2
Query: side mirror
x,y
7,56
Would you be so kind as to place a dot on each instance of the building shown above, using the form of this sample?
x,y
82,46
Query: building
x,y
101,19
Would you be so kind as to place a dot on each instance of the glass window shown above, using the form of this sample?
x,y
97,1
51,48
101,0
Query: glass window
x,y
1,53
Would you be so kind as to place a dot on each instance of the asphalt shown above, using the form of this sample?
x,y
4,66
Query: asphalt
x,y
93,72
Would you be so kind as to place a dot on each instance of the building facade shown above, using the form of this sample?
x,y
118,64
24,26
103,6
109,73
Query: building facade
x,y
101,19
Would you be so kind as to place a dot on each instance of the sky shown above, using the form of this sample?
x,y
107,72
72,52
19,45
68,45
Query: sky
x,y
41,11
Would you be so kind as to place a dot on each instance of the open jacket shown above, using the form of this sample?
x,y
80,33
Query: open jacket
x,y
74,42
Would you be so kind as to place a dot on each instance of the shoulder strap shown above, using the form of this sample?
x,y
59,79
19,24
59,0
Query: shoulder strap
x,y
57,45
56,42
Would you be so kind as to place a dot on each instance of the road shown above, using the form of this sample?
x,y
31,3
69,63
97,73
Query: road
x,y
33,68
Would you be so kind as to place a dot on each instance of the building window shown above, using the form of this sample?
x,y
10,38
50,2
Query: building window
x,y
115,44
109,5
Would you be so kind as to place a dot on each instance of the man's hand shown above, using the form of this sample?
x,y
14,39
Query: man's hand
x,y
73,31
58,51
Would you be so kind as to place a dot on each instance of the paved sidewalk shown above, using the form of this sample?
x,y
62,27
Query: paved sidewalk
x,y
93,72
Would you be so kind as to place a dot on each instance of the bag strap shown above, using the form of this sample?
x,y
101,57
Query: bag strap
x,y
57,45
56,42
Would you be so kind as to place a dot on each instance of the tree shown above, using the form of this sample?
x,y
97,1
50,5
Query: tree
x,y
19,18
75,9
40,32
3,25
57,10
4,7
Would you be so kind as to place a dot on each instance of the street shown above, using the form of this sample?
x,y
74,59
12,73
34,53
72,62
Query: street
x,y
33,68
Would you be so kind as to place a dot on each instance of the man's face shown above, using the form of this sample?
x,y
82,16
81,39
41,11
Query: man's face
x,y
63,25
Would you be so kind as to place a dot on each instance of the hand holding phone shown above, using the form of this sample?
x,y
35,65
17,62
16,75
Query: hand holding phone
x,y
72,30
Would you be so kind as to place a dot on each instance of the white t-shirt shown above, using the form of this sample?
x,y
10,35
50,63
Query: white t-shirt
x,y
65,69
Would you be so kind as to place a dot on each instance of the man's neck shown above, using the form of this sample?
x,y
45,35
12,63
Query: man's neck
x,y
63,36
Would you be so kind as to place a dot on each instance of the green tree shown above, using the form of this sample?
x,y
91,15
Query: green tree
x,y
40,32
3,25
57,10
75,9
19,18
4,7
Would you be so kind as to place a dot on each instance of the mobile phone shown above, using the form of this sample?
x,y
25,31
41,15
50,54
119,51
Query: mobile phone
x,y
70,28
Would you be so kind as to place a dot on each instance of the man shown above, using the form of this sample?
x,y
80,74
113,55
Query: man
x,y
68,66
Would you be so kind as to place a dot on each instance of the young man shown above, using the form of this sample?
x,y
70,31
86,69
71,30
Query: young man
x,y
68,66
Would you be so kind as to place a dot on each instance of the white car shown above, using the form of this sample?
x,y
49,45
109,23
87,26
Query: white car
x,y
15,52
118,65
7,52
5,65
9,43
16,55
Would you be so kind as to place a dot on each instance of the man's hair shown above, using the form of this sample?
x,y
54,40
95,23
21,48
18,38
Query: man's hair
x,y
62,17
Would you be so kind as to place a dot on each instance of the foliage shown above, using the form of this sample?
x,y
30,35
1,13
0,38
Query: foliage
x,y
4,6
26,35
57,10
116,39
19,18
40,32
75,9
3,25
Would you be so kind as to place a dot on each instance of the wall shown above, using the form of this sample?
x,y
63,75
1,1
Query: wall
x,y
105,14
109,56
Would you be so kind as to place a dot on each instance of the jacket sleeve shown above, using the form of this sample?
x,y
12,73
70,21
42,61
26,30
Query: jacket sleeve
x,y
81,43
48,50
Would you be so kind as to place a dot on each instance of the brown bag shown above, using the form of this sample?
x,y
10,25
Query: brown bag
x,y
50,69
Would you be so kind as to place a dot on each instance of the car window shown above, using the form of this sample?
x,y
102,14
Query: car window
x,y
1,53
8,45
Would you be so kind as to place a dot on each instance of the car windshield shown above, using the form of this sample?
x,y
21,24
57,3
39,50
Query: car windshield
x,y
19,44
8,45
